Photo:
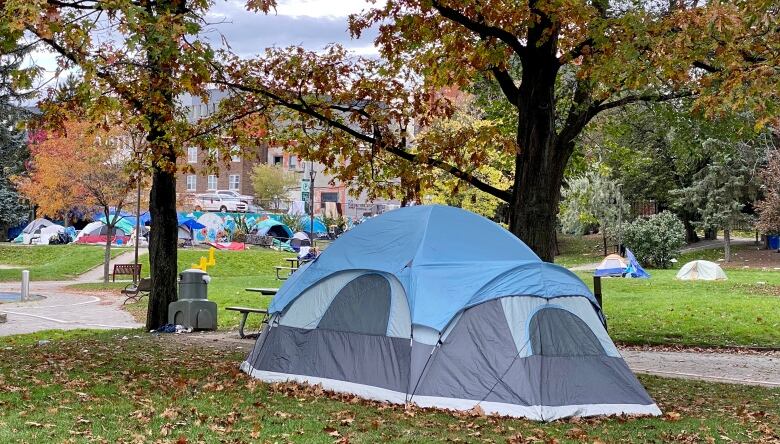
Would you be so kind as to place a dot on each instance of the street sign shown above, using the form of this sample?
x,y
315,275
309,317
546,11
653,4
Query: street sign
x,y
305,188
305,196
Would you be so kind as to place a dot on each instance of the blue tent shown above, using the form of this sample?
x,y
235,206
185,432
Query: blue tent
x,y
273,227
319,226
633,269
441,307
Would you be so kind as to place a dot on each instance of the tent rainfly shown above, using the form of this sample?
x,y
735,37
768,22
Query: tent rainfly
x,y
701,271
404,308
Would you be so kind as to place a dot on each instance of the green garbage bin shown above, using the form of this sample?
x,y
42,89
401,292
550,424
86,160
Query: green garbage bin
x,y
193,309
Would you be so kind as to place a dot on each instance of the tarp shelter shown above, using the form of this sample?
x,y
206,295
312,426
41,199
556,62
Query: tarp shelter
x,y
126,224
701,271
408,308
635,270
188,227
612,265
274,228
48,232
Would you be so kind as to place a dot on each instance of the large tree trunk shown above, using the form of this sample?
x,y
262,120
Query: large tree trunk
x,y
162,247
541,160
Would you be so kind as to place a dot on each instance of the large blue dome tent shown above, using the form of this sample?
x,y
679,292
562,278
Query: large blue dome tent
x,y
443,308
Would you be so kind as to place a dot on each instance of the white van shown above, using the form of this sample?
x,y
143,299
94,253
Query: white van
x,y
217,202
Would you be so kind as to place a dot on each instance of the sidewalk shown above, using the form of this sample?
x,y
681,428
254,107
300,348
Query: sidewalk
x,y
66,310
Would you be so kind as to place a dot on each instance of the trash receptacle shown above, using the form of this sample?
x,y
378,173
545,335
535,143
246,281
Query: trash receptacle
x,y
193,309
774,242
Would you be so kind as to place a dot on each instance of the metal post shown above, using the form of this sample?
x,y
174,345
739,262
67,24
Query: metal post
x,y
597,289
312,175
137,225
25,284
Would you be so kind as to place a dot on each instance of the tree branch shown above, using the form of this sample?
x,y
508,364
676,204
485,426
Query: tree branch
x,y
507,84
480,28
395,150
603,106
576,51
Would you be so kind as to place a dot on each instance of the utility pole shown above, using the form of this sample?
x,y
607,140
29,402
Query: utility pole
x,y
312,175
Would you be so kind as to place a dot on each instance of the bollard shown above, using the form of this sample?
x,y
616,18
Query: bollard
x,y
25,284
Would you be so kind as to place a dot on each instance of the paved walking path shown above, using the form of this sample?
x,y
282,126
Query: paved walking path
x,y
734,368
717,366
63,309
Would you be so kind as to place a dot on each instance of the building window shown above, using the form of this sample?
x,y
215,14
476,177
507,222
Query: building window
x,y
191,182
293,163
212,183
233,181
235,154
278,160
192,154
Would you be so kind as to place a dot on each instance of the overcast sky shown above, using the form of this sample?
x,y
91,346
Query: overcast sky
x,y
310,23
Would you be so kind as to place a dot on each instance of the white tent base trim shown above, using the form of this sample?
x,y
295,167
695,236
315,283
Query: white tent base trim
x,y
534,412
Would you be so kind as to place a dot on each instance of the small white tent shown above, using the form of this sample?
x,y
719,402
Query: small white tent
x,y
701,271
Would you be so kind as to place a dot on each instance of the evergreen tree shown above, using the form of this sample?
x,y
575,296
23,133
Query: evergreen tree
x,y
13,147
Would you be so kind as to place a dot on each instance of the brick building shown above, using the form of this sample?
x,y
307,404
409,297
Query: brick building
x,y
237,173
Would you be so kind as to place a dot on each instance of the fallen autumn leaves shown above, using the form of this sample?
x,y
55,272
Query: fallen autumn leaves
x,y
148,389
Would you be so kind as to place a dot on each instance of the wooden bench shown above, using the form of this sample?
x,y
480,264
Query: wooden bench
x,y
136,292
290,270
244,313
126,269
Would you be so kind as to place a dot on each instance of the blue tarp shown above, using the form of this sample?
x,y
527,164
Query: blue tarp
x,y
190,223
447,259
635,270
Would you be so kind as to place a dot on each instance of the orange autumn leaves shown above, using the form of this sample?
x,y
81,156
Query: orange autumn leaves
x,y
74,166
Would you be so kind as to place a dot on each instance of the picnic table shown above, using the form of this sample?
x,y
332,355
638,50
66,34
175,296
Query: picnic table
x,y
290,271
294,262
245,311
263,291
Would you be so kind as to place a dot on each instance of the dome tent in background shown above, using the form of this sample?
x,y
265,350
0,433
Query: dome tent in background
x,y
443,308
701,270
612,265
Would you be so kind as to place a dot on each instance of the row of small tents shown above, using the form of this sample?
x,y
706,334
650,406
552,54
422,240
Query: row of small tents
x,y
615,265
197,228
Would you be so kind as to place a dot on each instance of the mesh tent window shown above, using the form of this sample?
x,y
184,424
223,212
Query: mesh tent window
x,y
362,306
557,332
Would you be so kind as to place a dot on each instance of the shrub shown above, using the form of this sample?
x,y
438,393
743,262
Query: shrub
x,y
655,240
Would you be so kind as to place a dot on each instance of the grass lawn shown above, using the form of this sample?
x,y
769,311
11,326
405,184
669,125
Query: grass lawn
x,y
660,310
235,271
51,262
579,250
102,388
742,311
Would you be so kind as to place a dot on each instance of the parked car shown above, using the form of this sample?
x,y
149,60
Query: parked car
x,y
218,202
236,195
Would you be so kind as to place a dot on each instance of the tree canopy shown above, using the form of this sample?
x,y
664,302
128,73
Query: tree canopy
x,y
556,64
